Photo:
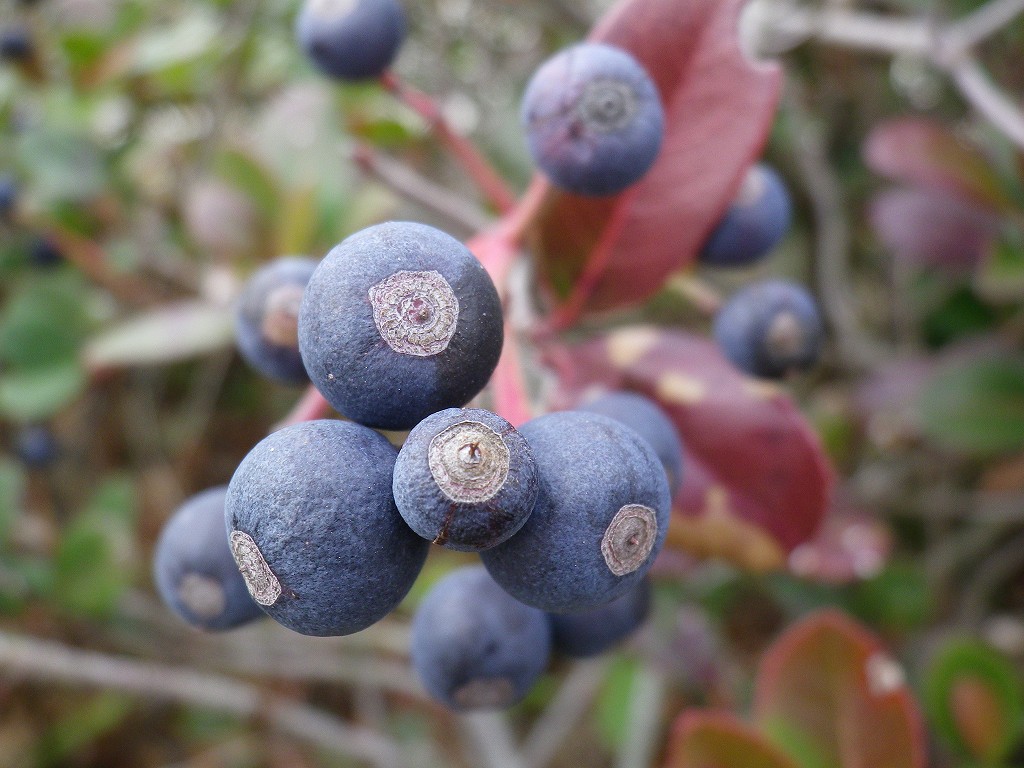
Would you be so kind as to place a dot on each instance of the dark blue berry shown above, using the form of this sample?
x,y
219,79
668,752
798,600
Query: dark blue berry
x,y
465,479
400,320
36,446
651,423
600,519
267,319
43,253
593,119
770,329
595,631
314,529
351,39
16,44
8,196
755,223
474,646
195,573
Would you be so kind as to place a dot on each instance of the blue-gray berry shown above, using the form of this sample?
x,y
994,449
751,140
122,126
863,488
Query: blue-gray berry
x,y
195,574
755,223
601,515
593,119
476,647
399,321
314,529
267,319
589,633
651,423
770,329
351,39
465,479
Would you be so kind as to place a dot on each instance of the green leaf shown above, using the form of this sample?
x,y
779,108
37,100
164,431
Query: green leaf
x,y
167,334
702,739
897,598
974,699
38,393
166,47
976,407
1000,277
44,322
82,725
62,165
12,486
613,702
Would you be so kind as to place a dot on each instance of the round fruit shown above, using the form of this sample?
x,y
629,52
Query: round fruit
x,y
267,319
351,39
465,479
593,119
755,223
595,631
650,422
399,321
600,519
195,573
314,529
474,646
770,329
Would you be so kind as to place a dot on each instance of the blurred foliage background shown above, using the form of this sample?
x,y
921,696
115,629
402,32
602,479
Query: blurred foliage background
x,y
153,154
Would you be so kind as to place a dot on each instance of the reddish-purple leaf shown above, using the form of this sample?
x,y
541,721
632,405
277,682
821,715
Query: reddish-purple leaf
x,y
756,482
714,740
923,152
828,689
719,107
934,228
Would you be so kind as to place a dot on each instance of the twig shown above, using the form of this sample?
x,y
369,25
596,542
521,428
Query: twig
x,y
981,24
831,235
492,739
992,571
646,703
475,164
45,660
984,96
563,714
703,297
410,185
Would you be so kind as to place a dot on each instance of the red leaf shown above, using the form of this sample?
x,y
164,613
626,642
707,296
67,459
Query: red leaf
x,y
713,740
828,689
926,153
719,107
850,546
933,228
756,481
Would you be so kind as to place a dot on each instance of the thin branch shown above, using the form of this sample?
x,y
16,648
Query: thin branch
x,y
45,660
646,705
564,713
492,739
979,25
420,190
984,96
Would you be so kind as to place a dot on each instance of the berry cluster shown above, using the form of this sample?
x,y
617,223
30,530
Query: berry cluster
x,y
327,525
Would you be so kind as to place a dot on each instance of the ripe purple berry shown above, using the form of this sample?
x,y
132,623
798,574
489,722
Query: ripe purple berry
x,y
600,519
770,329
314,529
267,319
589,633
474,646
195,573
593,119
755,223
351,39
399,321
465,479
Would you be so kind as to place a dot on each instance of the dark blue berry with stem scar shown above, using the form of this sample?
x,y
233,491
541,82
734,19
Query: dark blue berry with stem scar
x,y
770,329
194,571
351,39
593,119
314,530
36,446
465,479
600,519
595,631
755,223
651,423
43,253
267,319
399,321
476,647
